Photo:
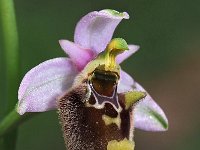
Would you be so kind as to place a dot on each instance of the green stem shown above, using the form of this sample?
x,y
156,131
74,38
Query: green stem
x,y
10,50
11,121
10,36
9,125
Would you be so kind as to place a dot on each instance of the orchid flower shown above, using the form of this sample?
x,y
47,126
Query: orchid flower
x,y
98,103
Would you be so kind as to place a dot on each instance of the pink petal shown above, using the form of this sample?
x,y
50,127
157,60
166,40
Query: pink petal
x,y
95,30
126,82
148,115
126,54
44,83
78,55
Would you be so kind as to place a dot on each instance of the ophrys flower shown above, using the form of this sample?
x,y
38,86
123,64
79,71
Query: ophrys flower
x,y
91,88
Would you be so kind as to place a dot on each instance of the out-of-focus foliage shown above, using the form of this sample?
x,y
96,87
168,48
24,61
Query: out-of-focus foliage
x,y
167,64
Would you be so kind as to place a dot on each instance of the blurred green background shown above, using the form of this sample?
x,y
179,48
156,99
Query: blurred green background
x,y
167,65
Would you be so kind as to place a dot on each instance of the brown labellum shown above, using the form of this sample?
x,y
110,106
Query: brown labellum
x,y
93,114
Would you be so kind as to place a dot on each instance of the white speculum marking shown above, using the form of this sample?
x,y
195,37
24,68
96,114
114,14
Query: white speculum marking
x,y
107,99
101,105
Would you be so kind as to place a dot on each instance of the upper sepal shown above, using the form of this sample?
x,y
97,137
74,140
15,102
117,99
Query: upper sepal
x,y
95,30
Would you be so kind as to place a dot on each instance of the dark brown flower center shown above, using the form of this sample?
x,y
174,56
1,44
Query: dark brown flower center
x,y
104,82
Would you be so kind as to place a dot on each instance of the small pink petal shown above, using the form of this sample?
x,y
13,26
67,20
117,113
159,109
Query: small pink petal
x,y
128,53
95,30
44,83
78,55
126,82
148,114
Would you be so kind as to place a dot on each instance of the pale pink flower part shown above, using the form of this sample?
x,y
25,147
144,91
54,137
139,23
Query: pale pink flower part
x,y
44,83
